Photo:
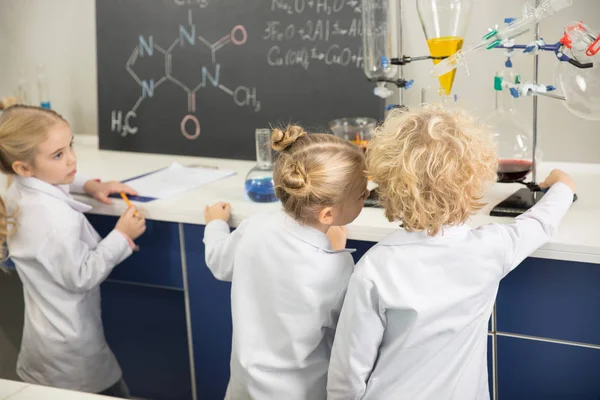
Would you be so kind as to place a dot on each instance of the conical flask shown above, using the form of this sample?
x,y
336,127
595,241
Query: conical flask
x,y
444,23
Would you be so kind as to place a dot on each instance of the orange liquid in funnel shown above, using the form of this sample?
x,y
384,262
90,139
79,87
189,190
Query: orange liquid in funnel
x,y
445,47
360,142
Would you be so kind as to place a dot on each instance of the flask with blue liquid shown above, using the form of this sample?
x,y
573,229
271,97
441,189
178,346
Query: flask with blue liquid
x,y
259,181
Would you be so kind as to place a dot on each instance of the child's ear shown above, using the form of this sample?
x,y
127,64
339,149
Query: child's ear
x,y
326,216
22,169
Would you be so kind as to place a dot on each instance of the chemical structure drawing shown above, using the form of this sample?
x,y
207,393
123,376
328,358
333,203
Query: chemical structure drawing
x,y
242,96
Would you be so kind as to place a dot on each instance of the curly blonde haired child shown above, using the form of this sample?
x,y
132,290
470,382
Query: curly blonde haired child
x,y
414,320
432,167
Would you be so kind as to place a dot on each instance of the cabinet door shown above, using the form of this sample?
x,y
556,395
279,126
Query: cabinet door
x,y
551,299
210,305
159,260
146,329
534,370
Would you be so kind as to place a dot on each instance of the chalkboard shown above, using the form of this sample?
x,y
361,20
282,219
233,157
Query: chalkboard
x,y
197,77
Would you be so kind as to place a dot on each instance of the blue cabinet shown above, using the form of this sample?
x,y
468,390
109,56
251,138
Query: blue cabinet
x,y
534,370
551,299
146,329
159,260
147,326
361,248
210,307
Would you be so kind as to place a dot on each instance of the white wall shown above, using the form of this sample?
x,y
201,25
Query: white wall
x,y
61,33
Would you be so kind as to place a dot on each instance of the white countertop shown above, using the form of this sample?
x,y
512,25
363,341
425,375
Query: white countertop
x,y
578,238
12,390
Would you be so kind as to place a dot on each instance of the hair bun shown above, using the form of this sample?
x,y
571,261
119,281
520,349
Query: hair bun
x,y
295,179
281,140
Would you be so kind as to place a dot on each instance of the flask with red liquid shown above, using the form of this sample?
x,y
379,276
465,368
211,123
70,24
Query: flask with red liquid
x,y
513,139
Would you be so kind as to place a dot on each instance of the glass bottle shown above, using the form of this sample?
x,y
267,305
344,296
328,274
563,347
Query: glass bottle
x,y
514,142
43,87
259,184
381,37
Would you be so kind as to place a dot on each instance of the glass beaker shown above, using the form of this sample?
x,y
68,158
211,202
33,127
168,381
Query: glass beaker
x,y
444,23
356,130
514,143
381,37
259,184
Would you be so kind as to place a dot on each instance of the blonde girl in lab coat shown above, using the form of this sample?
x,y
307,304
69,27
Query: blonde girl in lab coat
x,y
60,258
415,319
288,277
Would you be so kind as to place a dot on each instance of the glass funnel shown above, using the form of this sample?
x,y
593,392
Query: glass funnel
x,y
259,181
514,143
444,23
356,130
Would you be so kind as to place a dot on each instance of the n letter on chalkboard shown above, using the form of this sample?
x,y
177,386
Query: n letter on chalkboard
x,y
197,77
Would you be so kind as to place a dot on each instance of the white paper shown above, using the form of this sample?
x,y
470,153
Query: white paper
x,y
176,180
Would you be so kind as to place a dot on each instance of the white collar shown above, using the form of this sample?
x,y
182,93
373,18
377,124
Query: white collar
x,y
402,236
309,235
60,192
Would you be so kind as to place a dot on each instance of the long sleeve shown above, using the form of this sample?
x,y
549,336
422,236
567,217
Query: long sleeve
x,y
77,267
537,226
78,184
357,340
220,245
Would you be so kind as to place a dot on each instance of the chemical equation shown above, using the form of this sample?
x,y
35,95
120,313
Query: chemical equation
x,y
312,30
303,57
242,96
199,3
327,7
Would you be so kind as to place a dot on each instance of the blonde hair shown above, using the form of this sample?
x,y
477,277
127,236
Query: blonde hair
x,y
22,129
314,171
432,167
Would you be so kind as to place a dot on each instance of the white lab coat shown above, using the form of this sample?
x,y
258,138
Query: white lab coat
x,y
287,289
415,318
61,261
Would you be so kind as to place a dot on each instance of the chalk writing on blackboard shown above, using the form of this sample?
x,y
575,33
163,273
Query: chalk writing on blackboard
x,y
242,96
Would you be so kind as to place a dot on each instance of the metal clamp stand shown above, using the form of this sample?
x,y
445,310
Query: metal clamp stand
x,y
373,199
525,198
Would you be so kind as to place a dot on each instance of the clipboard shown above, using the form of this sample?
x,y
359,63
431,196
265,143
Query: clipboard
x,y
145,199
139,199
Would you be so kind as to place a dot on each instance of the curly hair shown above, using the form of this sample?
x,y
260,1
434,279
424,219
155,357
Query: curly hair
x,y
432,166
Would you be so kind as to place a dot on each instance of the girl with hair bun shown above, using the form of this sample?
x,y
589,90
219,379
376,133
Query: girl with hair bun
x,y
289,270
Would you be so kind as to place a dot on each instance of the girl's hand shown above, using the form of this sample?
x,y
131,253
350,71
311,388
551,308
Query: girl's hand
x,y
101,190
219,210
